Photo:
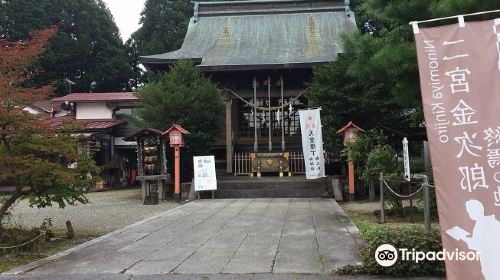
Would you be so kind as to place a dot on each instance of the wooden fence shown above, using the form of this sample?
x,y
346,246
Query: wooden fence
x,y
297,163
242,164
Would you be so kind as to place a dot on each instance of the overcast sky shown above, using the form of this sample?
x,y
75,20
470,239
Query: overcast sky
x,y
126,14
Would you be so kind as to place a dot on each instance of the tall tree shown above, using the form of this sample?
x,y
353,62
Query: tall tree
x,y
87,49
164,25
185,97
375,82
35,158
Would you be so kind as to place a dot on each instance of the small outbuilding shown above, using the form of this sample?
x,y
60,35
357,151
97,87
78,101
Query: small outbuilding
x,y
151,163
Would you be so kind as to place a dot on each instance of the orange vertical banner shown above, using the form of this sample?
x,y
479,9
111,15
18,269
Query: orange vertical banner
x,y
459,68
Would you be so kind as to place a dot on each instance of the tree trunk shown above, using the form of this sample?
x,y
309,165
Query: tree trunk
x,y
371,190
7,204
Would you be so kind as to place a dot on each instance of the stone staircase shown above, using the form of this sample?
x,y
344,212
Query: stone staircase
x,y
252,187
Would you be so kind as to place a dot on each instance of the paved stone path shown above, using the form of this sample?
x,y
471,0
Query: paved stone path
x,y
233,236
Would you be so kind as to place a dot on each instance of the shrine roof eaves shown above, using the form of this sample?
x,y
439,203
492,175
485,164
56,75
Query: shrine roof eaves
x,y
286,35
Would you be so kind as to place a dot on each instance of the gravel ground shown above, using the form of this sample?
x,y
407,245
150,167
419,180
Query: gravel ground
x,y
106,211
364,207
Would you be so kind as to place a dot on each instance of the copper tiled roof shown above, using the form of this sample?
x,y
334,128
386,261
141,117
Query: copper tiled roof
x,y
268,34
93,97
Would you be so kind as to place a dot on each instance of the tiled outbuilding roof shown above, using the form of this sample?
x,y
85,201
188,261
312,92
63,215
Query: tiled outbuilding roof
x,y
48,106
95,97
83,125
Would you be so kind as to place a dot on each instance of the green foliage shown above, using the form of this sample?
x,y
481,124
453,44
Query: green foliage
x,y
371,156
414,237
51,167
87,49
417,165
375,82
164,25
381,159
342,99
359,150
39,162
46,170
46,227
185,97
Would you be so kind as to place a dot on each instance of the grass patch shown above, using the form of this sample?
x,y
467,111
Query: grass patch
x,y
322,260
399,232
13,259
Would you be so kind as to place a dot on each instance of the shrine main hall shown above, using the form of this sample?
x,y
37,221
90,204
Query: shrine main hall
x,y
262,54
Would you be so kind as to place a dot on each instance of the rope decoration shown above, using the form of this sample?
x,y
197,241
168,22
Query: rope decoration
x,y
30,241
25,243
400,195
270,109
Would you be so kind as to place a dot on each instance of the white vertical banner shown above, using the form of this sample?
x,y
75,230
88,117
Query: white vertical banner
x,y
406,160
312,143
204,173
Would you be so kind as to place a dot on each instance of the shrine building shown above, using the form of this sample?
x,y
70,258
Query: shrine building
x,y
262,53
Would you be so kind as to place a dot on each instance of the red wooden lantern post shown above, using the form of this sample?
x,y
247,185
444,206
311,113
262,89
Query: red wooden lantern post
x,y
350,136
176,138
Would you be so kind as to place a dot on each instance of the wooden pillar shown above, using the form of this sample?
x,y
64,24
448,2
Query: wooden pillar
x,y
282,117
229,133
351,180
177,187
111,145
270,122
140,166
255,144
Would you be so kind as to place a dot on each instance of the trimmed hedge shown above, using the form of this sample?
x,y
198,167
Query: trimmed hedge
x,y
400,237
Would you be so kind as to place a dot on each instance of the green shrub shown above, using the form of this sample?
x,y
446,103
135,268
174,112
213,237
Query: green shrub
x,y
413,237
417,165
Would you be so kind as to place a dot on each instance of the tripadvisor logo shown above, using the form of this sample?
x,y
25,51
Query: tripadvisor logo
x,y
387,255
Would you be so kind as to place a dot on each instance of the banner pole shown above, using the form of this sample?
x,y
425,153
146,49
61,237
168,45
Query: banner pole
x,y
452,17
382,214
427,208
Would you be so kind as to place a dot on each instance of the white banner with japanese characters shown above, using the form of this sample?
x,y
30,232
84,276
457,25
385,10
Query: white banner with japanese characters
x,y
312,143
460,84
204,173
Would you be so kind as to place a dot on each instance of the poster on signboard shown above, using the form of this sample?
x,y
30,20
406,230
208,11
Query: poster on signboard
x,y
459,66
205,178
312,143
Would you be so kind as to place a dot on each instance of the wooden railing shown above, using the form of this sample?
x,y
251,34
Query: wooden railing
x,y
242,163
297,163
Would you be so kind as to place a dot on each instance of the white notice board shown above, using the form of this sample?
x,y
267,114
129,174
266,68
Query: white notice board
x,y
204,173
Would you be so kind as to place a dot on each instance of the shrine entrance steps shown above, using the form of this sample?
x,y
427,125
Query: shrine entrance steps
x,y
270,187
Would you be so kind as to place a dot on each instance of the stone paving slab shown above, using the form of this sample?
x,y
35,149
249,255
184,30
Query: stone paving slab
x,y
235,236
264,276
